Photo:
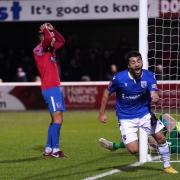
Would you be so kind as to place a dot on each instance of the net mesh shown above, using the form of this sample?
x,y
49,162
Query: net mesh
x,y
164,61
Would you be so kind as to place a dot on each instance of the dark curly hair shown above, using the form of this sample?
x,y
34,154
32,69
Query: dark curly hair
x,y
132,54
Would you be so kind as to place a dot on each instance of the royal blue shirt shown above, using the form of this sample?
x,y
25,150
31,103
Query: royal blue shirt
x,y
132,96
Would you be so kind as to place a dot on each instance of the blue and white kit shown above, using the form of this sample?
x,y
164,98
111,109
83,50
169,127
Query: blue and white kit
x,y
132,96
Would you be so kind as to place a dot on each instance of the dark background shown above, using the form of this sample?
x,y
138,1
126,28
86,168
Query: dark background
x,y
90,48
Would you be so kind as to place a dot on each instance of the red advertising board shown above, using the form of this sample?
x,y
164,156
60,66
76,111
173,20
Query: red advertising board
x,y
23,97
169,8
78,97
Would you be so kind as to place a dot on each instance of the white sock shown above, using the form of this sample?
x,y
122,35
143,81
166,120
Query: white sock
x,y
48,149
55,150
165,154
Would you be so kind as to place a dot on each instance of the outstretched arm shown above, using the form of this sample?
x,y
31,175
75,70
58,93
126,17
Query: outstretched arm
x,y
102,116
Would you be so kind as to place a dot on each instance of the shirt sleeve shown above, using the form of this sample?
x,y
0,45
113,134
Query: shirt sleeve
x,y
152,83
47,38
112,87
59,40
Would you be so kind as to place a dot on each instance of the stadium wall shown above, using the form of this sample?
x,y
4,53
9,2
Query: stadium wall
x,y
78,95
27,96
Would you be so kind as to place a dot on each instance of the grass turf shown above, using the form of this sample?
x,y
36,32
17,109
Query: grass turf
x,y
22,139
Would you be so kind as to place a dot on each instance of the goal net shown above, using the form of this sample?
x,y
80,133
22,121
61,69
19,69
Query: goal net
x,y
164,61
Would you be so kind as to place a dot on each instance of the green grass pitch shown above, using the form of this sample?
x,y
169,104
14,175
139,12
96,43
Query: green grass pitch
x,y
22,139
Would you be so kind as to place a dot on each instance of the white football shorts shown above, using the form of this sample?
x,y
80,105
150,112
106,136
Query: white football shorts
x,y
129,127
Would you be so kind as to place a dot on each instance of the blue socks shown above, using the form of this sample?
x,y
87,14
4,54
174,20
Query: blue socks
x,y
53,135
55,132
49,137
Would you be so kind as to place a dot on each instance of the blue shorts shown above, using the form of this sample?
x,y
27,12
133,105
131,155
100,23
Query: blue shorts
x,y
54,98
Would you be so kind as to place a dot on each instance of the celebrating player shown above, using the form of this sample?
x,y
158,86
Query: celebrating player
x,y
45,58
135,89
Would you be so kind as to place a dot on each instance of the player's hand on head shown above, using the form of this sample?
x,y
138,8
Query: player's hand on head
x,y
49,26
102,118
42,27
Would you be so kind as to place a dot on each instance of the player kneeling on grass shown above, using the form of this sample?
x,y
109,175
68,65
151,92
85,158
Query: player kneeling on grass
x,y
135,89
171,131
45,58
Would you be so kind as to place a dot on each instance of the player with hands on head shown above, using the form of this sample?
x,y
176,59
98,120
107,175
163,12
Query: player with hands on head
x,y
136,89
45,58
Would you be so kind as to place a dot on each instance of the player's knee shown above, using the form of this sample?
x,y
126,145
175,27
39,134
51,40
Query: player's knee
x,y
161,141
58,120
57,117
133,147
133,150
160,138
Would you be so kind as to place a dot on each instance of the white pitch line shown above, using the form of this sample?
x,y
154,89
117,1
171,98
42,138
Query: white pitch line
x,y
110,172
114,171
103,174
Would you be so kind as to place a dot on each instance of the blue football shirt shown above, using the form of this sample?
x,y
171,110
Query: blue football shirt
x,y
132,96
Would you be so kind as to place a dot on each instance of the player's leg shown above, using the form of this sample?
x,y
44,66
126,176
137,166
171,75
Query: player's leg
x,y
152,143
106,144
129,130
163,148
118,145
57,118
48,146
112,146
133,147
156,132
164,151
55,100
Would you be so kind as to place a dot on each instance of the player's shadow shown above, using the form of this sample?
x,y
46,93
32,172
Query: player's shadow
x,y
67,175
39,148
129,168
21,160
29,159
51,173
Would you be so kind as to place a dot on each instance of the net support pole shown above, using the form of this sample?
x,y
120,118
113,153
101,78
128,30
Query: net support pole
x,y
143,49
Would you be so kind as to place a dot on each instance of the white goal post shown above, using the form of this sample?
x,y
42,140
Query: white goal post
x,y
143,48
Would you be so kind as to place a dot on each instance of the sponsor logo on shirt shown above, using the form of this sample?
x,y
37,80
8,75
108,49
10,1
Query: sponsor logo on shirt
x,y
143,84
124,96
